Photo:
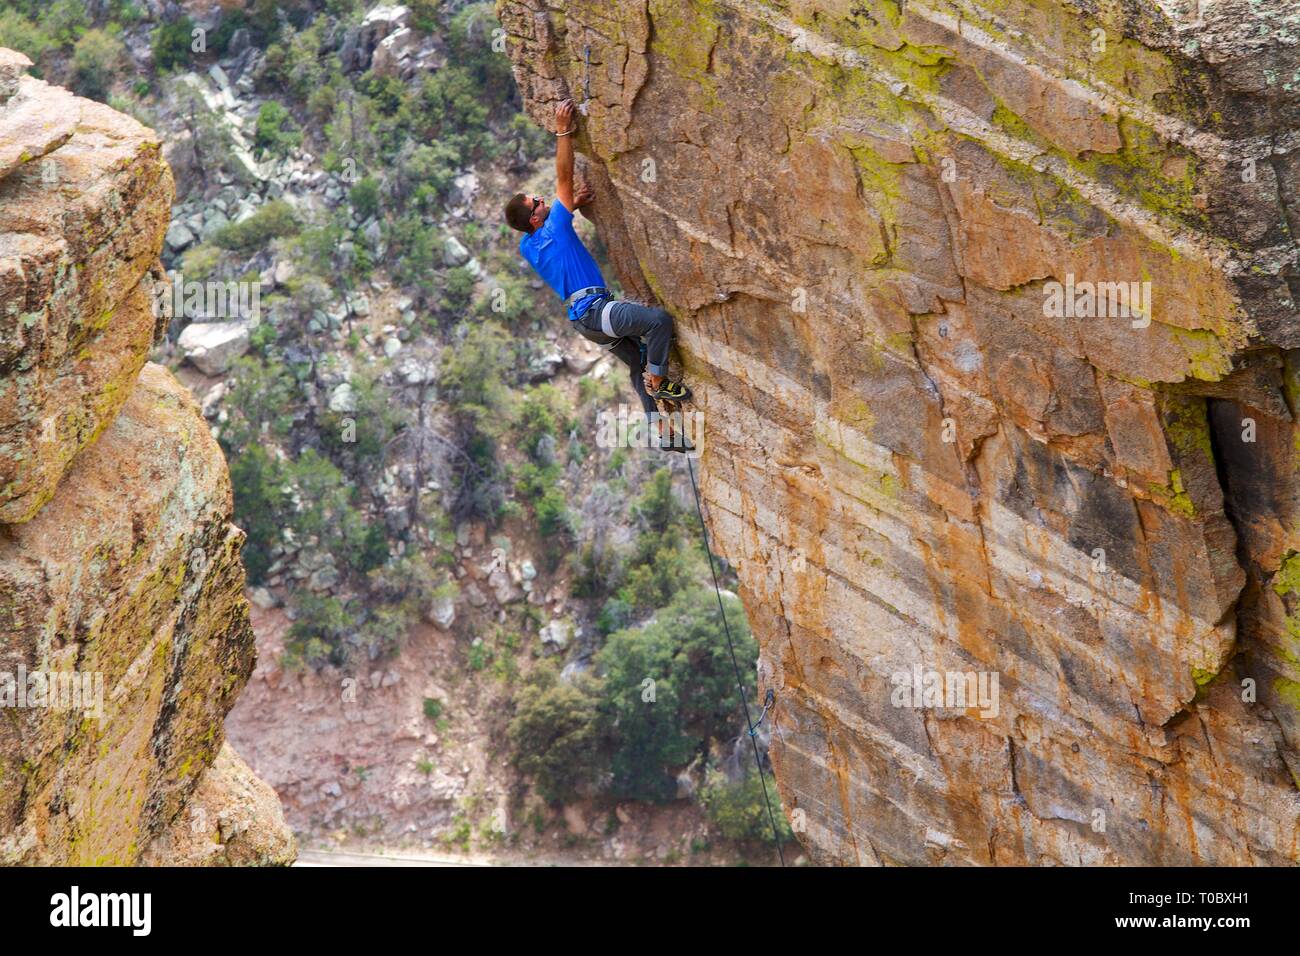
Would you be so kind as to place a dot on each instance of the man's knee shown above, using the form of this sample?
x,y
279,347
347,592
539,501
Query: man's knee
x,y
662,320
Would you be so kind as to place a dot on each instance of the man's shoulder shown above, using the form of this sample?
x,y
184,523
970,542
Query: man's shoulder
x,y
526,245
561,216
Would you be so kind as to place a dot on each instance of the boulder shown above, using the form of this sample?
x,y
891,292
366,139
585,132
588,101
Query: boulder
x,y
454,252
442,612
231,819
392,52
212,347
557,634
343,399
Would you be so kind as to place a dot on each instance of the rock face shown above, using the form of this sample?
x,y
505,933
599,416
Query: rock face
x,y
124,632
928,451
83,208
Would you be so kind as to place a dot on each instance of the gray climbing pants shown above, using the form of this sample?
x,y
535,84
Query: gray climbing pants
x,y
620,327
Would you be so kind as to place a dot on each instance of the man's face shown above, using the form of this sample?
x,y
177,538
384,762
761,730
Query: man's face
x,y
540,211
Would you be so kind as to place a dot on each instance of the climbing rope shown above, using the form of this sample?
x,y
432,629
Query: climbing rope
x,y
740,682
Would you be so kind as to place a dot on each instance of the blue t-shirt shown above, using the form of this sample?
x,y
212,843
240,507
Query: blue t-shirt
x,y
560,258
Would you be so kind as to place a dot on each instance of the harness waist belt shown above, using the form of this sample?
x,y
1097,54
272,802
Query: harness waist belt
x,y
583,293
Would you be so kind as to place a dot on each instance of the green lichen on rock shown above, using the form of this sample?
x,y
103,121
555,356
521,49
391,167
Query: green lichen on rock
x,y
1209,358
1173,495
685,34
1286,580
1289,692
1186,427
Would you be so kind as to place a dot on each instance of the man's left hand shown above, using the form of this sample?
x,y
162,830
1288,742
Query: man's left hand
x,y
584,197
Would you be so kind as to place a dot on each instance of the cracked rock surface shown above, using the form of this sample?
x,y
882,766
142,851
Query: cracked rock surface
x,y
857,213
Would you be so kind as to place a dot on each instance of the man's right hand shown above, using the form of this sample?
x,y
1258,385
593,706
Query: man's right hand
x,y
564,116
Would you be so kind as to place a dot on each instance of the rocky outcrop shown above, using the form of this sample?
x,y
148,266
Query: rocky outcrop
x,y
83,207
124,632
868,218
231,819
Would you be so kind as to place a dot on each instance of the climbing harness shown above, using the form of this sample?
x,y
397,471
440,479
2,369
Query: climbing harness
x,y
770,698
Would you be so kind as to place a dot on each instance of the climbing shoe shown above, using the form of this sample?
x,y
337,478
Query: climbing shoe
x,y
671,392
672,440
678,443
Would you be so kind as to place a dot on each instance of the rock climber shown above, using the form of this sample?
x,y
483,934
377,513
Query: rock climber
x,y
637,335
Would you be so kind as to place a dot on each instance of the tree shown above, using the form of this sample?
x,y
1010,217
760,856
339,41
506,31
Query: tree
x,y
171,44
273,220
261,505
556,733
258,404
276,132
659,727
95,59
739,810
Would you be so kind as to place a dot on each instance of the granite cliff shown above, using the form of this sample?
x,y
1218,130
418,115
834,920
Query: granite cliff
x,y
125,633
933,443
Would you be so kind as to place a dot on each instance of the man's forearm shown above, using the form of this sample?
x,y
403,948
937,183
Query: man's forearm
x,y
566,123
564,163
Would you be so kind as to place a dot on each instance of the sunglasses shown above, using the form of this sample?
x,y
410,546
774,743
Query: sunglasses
x,y
537,201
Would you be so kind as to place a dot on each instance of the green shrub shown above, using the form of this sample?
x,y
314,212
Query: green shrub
x,y
739,811
200,261
554,520
171,44
273,220
457,291
478,656
473,372
95,59
319,633
555,733
378,418
424,14
19,33
325,496
684,652
231,20
424,173
276,132
544,411
257,480
65,20
665,557
413,252
432,708
614,615
469,37
258,405
364,197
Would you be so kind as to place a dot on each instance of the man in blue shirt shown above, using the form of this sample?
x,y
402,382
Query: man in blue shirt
x,y
554,250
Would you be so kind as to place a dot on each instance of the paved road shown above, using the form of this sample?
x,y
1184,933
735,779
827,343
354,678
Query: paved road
x,y
351,858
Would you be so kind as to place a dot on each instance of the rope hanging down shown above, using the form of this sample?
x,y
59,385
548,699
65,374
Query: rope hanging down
x,y
740,682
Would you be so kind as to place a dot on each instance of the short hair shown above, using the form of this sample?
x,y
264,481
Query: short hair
x,y
519,211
